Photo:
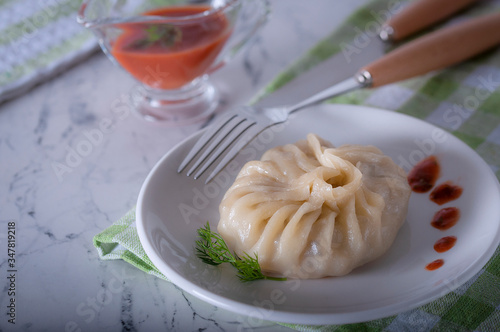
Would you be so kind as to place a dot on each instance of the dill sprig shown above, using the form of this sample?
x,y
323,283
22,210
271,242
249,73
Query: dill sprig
x,y
212,249
165,36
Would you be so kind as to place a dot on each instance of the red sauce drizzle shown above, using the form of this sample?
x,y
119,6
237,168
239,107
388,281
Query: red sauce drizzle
x,y
421,179
424,175
445,218
445,243
445,193
435,265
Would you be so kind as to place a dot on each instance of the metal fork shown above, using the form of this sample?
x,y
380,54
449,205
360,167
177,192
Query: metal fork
x,y
434,51
243,125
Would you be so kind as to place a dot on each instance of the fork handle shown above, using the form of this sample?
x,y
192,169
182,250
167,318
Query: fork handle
x,y
435,51
419,15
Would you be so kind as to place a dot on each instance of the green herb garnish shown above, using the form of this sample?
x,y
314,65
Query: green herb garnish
x,y
212,249
165,36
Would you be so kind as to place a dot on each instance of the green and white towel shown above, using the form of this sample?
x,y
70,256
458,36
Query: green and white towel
x,y
465,100
38,39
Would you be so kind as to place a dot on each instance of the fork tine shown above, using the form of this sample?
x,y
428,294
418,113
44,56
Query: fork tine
x,y
235,135
223,134
204,139
249,136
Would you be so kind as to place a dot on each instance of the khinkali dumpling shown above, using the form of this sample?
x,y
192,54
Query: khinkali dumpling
x,y
310,210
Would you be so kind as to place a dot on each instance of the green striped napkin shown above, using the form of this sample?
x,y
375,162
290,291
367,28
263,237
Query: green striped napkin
x,y
37,40
465,101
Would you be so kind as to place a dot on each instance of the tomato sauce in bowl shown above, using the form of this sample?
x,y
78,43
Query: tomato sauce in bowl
x,y
170,55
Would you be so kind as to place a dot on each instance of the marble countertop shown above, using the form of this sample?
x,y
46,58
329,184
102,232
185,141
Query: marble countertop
x,y
60,283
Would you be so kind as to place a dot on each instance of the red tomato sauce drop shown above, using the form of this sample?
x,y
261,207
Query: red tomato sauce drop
x,y
445,193
435,265
445,218
424,175
444,244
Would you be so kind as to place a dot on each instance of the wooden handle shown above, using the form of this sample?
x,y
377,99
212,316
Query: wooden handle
x,y
436,50
421,14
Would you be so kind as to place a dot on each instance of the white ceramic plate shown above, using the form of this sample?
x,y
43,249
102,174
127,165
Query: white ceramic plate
x,y
171,207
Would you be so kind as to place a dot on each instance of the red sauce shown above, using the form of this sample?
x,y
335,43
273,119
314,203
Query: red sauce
x,y
445,244
435,265
445,193
421,179
445,218
167,56
424,175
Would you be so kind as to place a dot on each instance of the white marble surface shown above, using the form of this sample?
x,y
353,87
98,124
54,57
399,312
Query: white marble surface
x,y
61,285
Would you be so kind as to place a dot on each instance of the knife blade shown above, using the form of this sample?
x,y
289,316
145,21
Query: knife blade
x,y
366,47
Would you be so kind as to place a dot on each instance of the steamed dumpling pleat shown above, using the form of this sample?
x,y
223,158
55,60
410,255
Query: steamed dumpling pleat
x,y
310,210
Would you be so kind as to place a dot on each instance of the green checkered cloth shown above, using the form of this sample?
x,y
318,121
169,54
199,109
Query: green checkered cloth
x,y
464,100
121,241
38,39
